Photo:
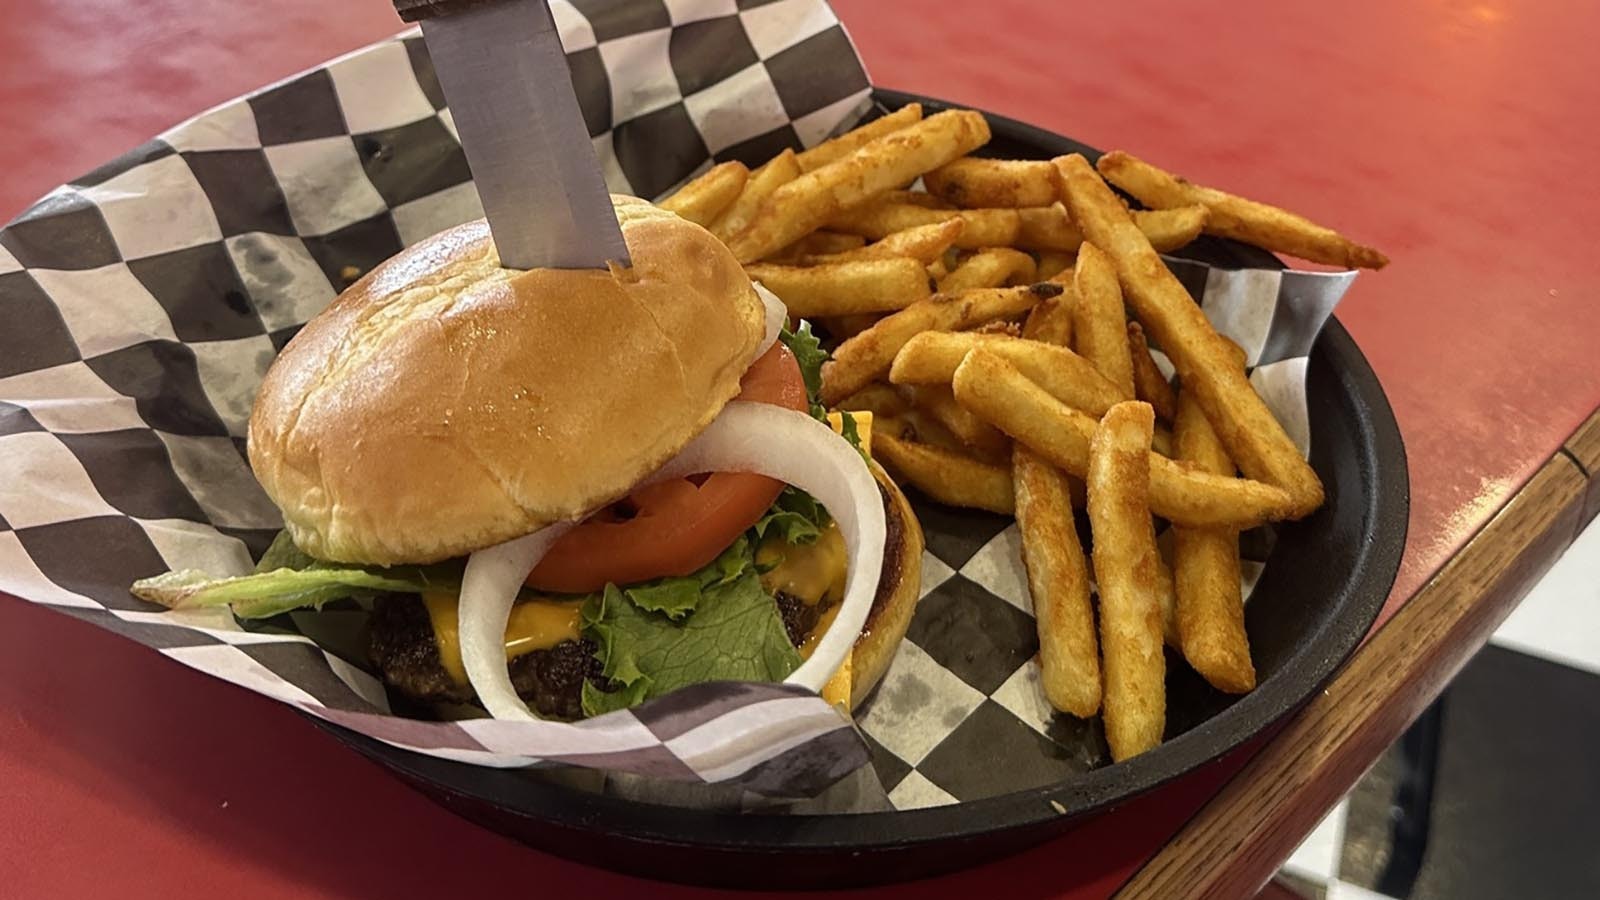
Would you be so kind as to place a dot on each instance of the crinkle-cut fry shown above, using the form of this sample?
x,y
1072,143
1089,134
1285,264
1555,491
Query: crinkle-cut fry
x,y
864,358
1100,323
946,476
1058,580
990,267
925,244
808,202
1149,384
932,357
1004,397
975,183
845,288
1235,217
779,170
1205,568
852,140
1126,565
1255,440
704,198
978,438
1038,228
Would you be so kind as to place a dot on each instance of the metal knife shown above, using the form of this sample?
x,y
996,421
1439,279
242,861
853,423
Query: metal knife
x,y
505,78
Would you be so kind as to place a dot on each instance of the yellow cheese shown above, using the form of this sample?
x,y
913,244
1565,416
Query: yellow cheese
x,y
534,625
812,572
863,428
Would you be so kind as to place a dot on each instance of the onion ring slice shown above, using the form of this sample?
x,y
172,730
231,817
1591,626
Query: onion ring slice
x,y
746,437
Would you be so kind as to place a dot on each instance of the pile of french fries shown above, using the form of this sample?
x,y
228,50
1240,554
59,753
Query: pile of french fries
x,y
998,324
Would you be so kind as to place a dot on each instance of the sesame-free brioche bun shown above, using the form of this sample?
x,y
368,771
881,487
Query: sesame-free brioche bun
x,y
443,404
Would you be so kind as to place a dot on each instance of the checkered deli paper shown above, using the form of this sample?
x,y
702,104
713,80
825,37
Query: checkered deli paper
x,y
141,304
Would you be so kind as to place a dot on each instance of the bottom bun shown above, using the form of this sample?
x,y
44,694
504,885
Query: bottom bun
x,y
899,589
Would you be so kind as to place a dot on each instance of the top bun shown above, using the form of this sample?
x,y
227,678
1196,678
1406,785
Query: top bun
x,y
444,404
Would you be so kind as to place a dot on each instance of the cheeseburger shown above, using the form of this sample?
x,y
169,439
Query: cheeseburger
x,y
564,492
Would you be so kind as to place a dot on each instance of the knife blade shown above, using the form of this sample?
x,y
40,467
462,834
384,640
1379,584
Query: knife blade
x,y
505,78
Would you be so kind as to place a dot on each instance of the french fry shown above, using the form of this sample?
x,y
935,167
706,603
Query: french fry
x,y
779,170
1169,229
914,198
808,202
925,244
878,219
1162,442
978,438
946,476
862,359
1149,384
1046,228
992,267
818,244
1099,322
1205,568
1255,440
1235,217
882,400
977,183
701,200
845,288
1051,320
1000,394
1058,580
1125,566
932,357
1053,263
854,139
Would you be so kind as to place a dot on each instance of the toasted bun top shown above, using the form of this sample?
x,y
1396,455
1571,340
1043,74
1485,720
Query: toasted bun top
x,y
443,404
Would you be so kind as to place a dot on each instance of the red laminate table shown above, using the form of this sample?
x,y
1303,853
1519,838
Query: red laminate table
x,y
1455,135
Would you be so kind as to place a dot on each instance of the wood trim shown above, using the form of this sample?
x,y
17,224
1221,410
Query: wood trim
x,y
1584,445
1235,843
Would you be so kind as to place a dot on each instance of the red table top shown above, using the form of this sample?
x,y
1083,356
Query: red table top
x,y
1455,136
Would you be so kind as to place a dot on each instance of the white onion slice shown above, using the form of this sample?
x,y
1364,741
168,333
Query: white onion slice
x,y
747,437
797,449
777,314
488,590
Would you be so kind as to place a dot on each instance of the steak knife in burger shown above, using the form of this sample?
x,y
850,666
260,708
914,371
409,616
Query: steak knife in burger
x,y
564,492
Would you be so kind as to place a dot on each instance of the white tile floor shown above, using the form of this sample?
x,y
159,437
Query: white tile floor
x,y
1558,621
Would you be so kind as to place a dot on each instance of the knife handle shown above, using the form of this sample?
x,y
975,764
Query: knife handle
x,y
417,10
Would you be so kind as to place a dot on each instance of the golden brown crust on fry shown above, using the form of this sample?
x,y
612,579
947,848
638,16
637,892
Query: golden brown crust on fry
x,y
1058,580
703,199
1203,359
808,202
1000,394
947,476
1126,567
779,170
992,267
852,140
973,182
1099,323
1149,384
846,288
1235,217
867,356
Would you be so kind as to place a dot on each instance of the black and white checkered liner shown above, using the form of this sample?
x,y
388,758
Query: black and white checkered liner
x,y
141,304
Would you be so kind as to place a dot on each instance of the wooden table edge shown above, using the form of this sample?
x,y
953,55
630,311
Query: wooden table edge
x,y
1235,843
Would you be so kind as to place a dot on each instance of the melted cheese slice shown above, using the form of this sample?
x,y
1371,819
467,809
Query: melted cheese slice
x,y
812,572
534,625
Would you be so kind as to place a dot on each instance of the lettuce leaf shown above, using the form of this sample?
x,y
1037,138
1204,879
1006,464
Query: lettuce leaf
x,y
286,579
796,517
732,633
808,352
266,594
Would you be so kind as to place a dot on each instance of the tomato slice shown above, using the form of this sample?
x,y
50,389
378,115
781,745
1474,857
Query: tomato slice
x,y
675,527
